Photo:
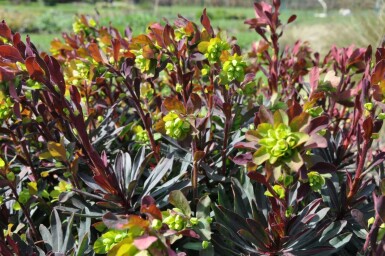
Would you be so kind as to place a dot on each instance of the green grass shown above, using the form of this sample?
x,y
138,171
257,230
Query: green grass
x,y
45,23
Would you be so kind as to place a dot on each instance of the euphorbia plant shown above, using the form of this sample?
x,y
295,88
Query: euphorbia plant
x,y
270,152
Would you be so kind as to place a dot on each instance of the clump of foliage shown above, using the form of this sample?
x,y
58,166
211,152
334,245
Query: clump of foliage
x,y
174,142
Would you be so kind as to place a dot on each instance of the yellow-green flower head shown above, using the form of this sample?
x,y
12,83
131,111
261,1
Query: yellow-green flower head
x,y
174,219
175,126
213,49
76,72
141,135
278,189
141,62
315,112
62,187
6,106
316,180
77,26
108,240
234,68
146,91
278,143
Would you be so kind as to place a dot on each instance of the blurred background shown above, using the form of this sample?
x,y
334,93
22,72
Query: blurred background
x,y
320,22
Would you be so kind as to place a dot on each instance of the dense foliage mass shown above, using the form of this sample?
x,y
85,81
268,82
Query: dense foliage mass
x,y
175,142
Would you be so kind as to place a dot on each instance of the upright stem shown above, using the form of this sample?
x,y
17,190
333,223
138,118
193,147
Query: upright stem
x,y
195,170
373,232
154,146
360,168
224,148
26,213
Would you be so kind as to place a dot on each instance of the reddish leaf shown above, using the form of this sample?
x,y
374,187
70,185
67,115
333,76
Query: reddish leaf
x,y
173,103
189,233
194,103
5,31
206,23
378,72
116,48
34,70
314,78
265,115
75,95
55,73
144,242
257,177
368,128
96,54
243,158
10,53
291,19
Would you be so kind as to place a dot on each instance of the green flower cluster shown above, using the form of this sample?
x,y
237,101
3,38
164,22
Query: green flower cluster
x,y
316,180
381,230
213,49
79,25
277,142
234,68
109,239
145,65
175,219
175,126
315,112
141,135
61,188
76,72
5,106
278,189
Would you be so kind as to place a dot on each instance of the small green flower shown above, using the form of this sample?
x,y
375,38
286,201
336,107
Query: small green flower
x,y
108,240
234,69
175,219
205,244
175,126
178,88
278,143
381,116
141,135
6,106
11,176
213,49
315,112
146,91
368,106
145,65
194,221
62,187
156,224
278,189
316,181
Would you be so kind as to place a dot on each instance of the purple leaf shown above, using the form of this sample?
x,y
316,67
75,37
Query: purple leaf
x,y
243,158
144,242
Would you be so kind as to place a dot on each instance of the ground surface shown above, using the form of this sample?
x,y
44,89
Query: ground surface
x,y
44,23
